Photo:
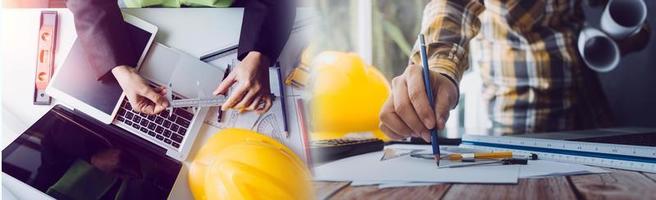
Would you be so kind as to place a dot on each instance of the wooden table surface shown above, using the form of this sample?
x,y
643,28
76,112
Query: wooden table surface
x,y
618,184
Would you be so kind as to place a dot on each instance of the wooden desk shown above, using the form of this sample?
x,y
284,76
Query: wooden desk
x,y
618,184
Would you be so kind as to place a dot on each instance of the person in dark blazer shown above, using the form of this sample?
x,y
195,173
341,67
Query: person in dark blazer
x,y
265,29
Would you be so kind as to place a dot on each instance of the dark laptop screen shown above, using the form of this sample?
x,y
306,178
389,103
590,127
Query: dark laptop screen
x,y
68,157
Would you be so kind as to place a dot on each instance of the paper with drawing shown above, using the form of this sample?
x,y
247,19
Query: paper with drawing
x,y
368,167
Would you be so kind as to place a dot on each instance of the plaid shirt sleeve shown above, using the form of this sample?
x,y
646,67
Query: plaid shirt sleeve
x,y
448,25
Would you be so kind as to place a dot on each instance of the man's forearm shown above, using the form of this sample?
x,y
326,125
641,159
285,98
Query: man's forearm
x,y
449,25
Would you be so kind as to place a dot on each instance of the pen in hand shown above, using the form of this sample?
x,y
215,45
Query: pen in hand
x,y
429,93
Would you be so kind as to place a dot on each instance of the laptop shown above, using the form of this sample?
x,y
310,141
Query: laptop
x,y
93,140
74,85
69,155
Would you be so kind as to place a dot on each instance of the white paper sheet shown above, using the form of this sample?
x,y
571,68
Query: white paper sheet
x,y
391,184
543,168
367,170
368,167
411,184
368,183
534,169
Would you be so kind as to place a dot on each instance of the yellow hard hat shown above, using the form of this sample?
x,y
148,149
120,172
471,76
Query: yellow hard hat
x,y
242,164
347,95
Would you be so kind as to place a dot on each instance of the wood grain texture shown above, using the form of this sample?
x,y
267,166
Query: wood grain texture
x,y
535,188
372,192
618,184
325,189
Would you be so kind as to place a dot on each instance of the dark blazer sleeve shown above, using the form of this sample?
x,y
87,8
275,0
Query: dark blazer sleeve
x,y
266,27
103,34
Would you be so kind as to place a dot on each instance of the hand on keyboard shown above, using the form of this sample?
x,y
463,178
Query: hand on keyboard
x,y
143,98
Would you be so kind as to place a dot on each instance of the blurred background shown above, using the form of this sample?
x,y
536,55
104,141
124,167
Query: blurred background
x,y
383,32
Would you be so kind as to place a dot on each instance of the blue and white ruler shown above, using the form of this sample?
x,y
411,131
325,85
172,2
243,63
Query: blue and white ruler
x,y
639,158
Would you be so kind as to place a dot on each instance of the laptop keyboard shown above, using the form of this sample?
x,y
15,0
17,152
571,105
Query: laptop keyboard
x,y
170,130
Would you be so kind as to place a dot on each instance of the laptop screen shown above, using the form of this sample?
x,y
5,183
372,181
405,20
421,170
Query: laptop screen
x,y
77,77
68,157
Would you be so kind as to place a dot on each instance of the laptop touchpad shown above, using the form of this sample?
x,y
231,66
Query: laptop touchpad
x,y
190,76
159,64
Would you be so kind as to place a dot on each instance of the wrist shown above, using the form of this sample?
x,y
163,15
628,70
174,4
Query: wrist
x,y
259,57
455,86
121,70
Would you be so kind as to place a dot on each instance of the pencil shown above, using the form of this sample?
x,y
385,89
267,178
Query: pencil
x,y
481,155
429,92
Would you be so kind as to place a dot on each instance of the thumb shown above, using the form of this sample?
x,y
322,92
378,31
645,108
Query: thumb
x,y
156,98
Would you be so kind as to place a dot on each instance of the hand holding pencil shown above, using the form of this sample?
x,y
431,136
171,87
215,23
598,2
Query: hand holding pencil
x,y
408,112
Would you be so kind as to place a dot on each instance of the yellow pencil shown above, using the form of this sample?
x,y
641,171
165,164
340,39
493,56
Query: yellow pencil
x,y
485,155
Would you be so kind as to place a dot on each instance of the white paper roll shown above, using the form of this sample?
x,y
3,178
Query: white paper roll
x,y
623,18
598,50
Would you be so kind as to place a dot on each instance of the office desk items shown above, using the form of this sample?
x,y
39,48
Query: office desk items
x,y
278,91
429,92
274,123
505,158
333,149
99,99
505,161
226,59
173,131
45,59
198,102
270,121
368,167
391,153
482,155
299,75
622,148
533,169
468,157
193,102
20,28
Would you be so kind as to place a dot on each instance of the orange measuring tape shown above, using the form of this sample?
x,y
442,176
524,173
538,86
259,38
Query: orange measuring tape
x,y
45,56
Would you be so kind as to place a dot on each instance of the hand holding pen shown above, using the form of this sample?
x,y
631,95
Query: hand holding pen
x,y
408,112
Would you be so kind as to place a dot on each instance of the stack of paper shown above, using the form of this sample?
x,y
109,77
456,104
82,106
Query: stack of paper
x,y
369,167
404,171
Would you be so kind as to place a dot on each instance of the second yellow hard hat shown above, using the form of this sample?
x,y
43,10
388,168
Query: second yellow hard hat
x,y
347,95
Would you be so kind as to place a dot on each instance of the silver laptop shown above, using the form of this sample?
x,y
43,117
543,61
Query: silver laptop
x,y
190,78
74,85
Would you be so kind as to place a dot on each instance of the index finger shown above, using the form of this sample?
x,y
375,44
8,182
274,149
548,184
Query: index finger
x,y
225,85
235,97
148,109
418,96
